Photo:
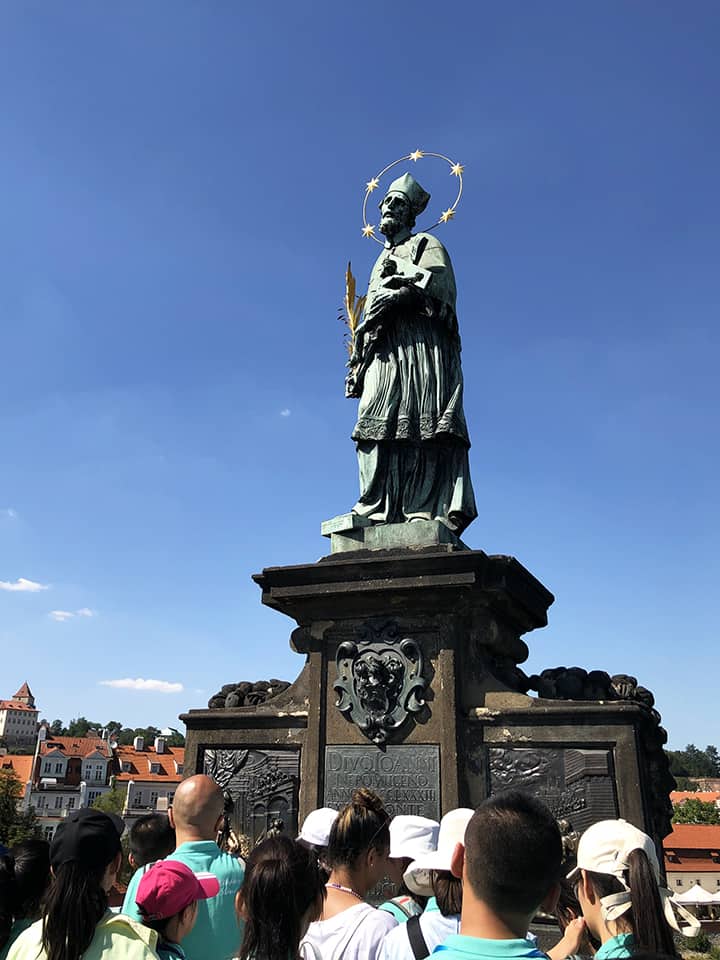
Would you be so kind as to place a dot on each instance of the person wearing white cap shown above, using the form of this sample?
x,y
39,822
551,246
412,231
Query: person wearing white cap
x,y
617,881
315,834
429,875
410,837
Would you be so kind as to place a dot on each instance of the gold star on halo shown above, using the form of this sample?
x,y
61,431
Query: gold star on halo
x,y
368,230
457,169
416,155
372,185
447,215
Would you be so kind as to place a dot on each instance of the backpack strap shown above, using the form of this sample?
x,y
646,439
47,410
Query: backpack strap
x,y
416,938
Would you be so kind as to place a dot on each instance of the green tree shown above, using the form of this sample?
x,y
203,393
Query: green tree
x,y
79,726
111,802
15,825
56,728
696,811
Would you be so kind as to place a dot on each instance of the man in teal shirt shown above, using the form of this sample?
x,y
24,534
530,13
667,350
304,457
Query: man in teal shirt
x,y
510,866
196,815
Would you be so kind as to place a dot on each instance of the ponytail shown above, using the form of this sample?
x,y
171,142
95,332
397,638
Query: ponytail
x,y
651,931
282,884
362,825
74,905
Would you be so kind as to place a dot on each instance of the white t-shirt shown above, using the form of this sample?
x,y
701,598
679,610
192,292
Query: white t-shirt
x,y
353,934
435,929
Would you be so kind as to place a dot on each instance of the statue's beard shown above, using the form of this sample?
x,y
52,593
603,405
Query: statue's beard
x,y
390,226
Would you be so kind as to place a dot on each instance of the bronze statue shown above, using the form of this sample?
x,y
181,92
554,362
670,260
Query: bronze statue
x,y
411,437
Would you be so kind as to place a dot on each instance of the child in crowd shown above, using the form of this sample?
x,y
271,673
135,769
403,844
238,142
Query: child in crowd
x,y
410,837
167,897
85,856
151,838
24,876
283,892
349,928
315,835
430,875
617,881
510,866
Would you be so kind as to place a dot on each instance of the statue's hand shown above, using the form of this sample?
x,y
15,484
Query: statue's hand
x,y
352,387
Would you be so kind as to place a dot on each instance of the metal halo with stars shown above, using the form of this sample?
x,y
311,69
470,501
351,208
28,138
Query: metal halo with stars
x,y
456,170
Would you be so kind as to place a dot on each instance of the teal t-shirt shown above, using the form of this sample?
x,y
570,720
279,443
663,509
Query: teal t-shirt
x,y
218,931
459,947
619,946
402,908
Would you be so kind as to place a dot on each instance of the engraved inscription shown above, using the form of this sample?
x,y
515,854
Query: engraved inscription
x,y
406,777
577,785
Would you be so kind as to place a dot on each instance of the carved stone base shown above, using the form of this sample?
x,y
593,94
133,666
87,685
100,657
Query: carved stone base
x,y
418,535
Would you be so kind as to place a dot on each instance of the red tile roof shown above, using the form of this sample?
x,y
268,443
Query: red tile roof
x,y
677,796
74,746
140,761
16,705
693,836
24,691
21,763
692,865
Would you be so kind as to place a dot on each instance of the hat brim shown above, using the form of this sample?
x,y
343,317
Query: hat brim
x,y
209,885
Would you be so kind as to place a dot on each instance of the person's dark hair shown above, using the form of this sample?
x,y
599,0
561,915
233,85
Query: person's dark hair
x,y
361,825
320,854
651,931
151,838
448,892
159,926
513,852
74,905
24,876
282,882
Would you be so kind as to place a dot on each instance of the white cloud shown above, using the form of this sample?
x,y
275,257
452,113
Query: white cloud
x,y
286,412
158,686
9,513
61,615
22,585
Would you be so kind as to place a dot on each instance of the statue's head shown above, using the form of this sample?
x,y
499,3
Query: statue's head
x,y
404,201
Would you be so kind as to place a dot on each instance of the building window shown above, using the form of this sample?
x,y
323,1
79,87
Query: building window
x,y
47,768
93,795
154,768
58,802
71,803
171,797
181,768
48,832
58,768
153,798
678,883
137,800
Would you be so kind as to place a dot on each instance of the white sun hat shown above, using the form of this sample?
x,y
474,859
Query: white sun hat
x,y
317,825
452,831
605,848
412,837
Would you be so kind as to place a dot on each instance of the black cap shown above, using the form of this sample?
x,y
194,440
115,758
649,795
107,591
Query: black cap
x,y
89,837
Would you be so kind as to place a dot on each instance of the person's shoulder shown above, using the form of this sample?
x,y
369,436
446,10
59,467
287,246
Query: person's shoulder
x,y
27,943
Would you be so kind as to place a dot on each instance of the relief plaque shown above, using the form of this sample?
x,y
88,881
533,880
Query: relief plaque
x,y
577,785
260,787
406,777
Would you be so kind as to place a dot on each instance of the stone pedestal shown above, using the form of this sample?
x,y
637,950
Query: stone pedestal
x,y
412,686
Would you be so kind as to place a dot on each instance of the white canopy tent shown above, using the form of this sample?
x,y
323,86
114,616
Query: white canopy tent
x,y
696,895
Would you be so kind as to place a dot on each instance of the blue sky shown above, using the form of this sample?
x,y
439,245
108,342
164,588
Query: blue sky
x,y
181,187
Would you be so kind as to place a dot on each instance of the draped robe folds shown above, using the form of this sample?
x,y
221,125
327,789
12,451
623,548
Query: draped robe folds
x,y
411,436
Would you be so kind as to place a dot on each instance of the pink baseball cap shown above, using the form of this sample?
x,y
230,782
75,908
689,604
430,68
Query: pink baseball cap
x,y
169,886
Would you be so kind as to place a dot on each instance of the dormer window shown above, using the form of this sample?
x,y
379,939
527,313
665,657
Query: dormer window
x,y
154,768
126,766
180,767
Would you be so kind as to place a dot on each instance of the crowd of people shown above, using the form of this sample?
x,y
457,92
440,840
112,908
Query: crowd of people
x,y
467,888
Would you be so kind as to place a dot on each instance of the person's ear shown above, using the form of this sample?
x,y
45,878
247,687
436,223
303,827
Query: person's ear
x,y
131,861
171,818
240,905
457,861
551,899
586,887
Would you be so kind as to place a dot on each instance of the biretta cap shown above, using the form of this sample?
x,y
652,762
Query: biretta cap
x,y
169,886
317,825
412,837
452,831
410,188
89,837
